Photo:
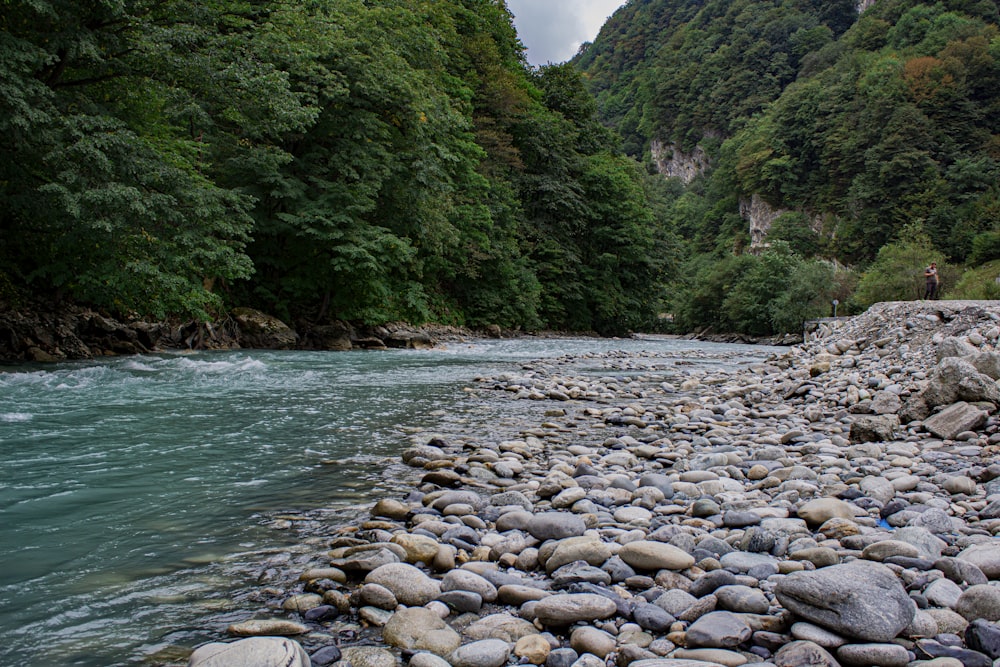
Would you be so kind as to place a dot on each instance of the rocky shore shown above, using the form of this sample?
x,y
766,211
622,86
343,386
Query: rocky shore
x,y
838,504
41,334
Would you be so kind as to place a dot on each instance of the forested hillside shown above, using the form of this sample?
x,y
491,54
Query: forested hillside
x,y
828,154
318,160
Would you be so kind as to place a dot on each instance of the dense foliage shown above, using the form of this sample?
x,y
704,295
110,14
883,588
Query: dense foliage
x,y
875,137
329,159
375,161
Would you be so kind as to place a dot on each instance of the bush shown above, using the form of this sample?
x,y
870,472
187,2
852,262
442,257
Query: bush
x,y
978,283
898,272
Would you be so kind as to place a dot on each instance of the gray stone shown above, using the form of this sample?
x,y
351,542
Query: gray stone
x,y
803,654
742,599
410,586
954,419
943,593
985,556
649,555
878,428
252,652
866,655
464,580
483,653
979,602
813,633
368,656
860,599
556,525
418,628
718,629
568,608
425,659
266,626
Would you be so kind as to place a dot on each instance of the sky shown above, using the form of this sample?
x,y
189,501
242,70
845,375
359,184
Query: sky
x,y
553,30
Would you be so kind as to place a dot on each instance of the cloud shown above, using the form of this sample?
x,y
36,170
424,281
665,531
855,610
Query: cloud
x,y
553,30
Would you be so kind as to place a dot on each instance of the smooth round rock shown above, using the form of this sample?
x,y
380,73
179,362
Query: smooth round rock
x,y
588,639
568,608
417,628
556,525
801,653
865,655
252,652
262,627
533,648
985,556
817,511
482,653
648,555
410,585
979,602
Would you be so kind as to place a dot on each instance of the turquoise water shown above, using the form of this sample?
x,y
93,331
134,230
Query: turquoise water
x,y
138,495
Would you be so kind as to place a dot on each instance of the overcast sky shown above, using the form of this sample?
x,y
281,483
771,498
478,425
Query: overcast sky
x,y
553,30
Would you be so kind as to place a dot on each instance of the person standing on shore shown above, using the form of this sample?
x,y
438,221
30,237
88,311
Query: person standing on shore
x,y
931,276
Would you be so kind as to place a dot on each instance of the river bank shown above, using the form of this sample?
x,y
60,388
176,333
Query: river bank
x,y
37,333
838,503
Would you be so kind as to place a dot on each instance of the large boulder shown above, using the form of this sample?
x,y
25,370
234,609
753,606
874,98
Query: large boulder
x,y
874,428
262,331
861,599
955,419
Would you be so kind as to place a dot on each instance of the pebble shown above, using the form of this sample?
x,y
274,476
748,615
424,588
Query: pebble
x,y
793,509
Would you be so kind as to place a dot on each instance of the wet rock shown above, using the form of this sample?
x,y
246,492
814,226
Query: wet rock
x,y
255,652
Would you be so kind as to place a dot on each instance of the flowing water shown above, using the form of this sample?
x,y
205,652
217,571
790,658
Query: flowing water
x,y
139,495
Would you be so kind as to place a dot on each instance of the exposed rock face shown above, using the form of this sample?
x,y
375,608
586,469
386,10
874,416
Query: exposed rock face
x,y
760,215
673,163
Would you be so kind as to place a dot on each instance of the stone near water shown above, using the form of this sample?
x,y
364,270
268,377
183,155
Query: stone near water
x,y
418,628
252,652
410,586
270,626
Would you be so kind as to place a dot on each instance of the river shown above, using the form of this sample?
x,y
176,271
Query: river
x,y
139,496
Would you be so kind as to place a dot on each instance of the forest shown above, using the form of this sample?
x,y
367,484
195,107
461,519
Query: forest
x,y
401,161
872,138
331,159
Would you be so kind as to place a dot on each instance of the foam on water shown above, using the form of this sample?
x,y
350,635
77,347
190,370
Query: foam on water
x,y
129,483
